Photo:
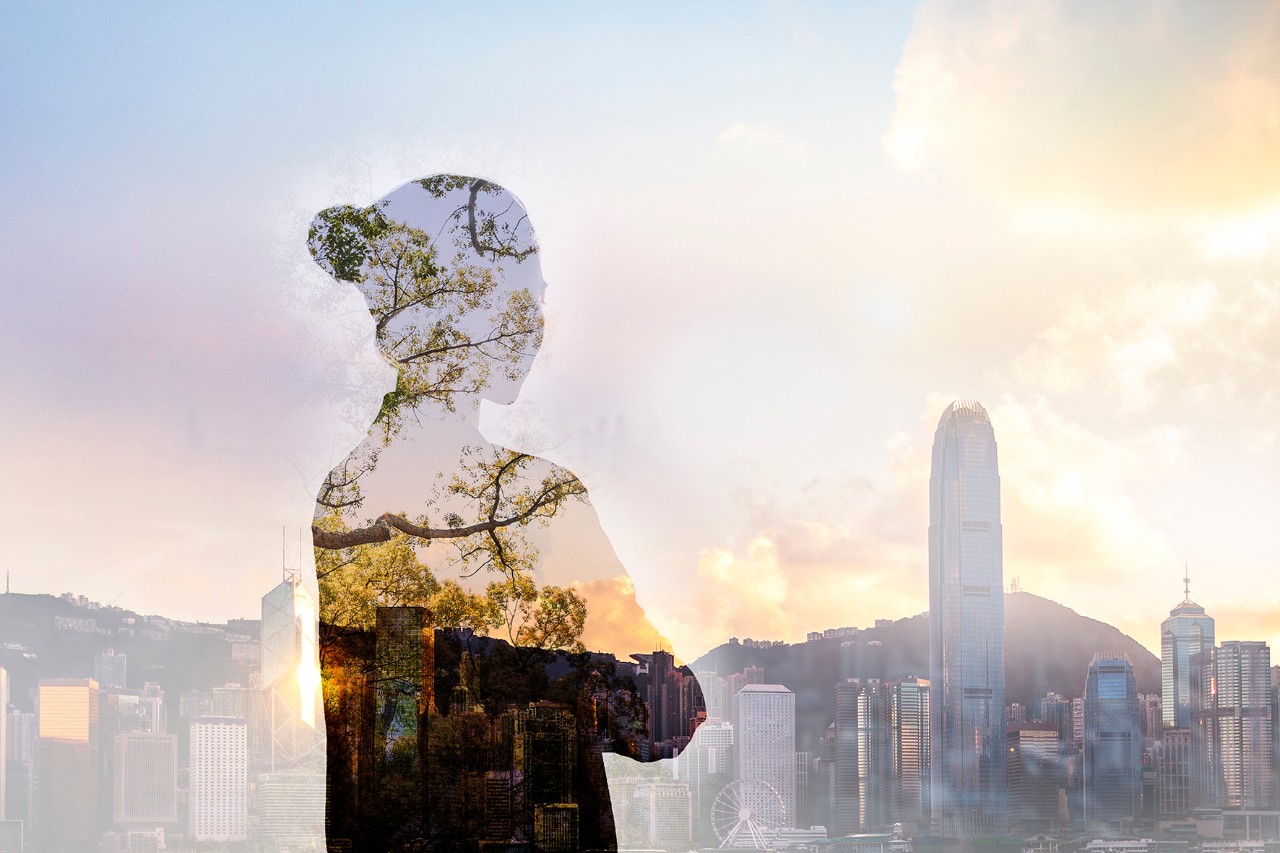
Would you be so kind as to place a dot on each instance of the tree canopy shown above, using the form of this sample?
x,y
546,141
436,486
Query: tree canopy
x,y
446,319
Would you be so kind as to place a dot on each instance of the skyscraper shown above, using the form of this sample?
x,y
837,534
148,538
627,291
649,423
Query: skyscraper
x,y
146,773
1033,774
1112,742
765,716
911,752
966,627
1188,631
290,678
66,763
1231,725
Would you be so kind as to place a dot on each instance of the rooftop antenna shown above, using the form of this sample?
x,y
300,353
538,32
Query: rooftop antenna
x,y
1186,580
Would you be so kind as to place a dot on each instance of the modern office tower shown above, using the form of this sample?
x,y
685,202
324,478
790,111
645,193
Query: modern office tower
x,y
707,765
294,737
805,762
911,752
288,809
966,627
714,693
1231,725
1188,631
218,806
153,709
766,749
875,754
66,763
735,682
844,819
662,715
543,751
1034,771
1112,742
1150,716
109,669
146,778
659,815
555,827
1175,782
1056,711
404,661
20,752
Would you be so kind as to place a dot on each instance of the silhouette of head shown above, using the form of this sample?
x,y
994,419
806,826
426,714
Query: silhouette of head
x,y
448,268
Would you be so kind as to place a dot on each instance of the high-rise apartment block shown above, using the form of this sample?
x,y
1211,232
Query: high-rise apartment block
x,y
966,627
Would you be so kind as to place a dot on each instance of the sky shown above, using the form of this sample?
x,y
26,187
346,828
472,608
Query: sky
x,y
779,240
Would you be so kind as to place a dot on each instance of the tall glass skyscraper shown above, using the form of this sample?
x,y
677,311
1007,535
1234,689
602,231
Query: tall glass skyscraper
x,y
1188,631
966,628
1112,742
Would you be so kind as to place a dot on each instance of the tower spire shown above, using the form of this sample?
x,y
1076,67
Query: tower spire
x,y
1186,581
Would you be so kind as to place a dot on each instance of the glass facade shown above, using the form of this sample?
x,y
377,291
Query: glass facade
x,y
1188,631
966,628
1112,743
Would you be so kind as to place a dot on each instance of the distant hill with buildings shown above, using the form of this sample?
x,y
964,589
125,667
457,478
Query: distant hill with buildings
x,y
1047,649
46,636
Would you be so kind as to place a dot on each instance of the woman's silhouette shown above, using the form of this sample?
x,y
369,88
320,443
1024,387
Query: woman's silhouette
x,y
452,752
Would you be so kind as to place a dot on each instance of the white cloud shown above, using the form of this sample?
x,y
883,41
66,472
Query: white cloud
x,y
760,139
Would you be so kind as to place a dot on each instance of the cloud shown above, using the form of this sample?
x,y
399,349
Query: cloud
x,y
1129,107
615,622
760,139
1168,343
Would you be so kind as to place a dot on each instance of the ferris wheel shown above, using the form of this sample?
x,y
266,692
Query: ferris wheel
x,y
747,813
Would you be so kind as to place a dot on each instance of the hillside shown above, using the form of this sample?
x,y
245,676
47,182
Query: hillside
x,y
1047,649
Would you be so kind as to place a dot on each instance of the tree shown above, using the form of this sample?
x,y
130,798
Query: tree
x,y
448,327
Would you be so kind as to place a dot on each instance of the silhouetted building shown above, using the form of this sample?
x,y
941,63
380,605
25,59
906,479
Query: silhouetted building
x,y
966,627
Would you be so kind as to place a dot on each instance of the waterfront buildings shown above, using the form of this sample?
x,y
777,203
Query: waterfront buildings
x,y
966,627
